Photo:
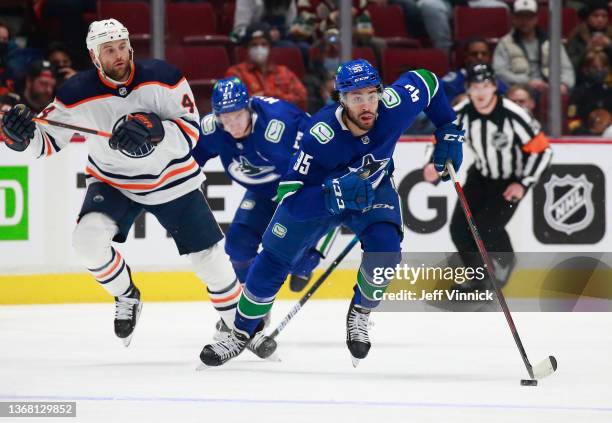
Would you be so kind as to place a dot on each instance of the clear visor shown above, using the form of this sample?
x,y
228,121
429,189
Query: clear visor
x,y
354,99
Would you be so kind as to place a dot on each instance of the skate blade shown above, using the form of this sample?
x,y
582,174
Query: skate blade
x,y
202,367
355,361
275,358
126,341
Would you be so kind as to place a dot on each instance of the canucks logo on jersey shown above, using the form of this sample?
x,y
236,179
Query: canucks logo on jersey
x,y
371,169
242,170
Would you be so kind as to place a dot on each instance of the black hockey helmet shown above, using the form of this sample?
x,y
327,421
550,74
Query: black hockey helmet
x,y
480,72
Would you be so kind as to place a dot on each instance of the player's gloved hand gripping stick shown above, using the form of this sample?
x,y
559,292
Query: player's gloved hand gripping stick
x,y
352,191
449,144
547,366
138,130
18,126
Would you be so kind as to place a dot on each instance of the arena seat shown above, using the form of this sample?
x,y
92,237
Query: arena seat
x,y
399,60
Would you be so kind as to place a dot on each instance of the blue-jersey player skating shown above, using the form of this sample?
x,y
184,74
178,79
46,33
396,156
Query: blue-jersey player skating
x,y
342,175
255,139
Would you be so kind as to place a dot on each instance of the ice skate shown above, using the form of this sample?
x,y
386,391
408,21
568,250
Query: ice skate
x,y
357,338
127,312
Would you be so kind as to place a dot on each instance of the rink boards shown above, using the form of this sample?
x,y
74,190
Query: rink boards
x,y
39,202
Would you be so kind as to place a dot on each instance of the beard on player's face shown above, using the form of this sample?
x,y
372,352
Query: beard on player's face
x,y
116,60
363,117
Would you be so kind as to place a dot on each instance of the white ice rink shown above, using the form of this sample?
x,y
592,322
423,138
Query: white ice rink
x,y
423,367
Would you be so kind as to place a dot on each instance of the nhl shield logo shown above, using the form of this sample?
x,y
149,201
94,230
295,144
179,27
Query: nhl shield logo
x,y
569,204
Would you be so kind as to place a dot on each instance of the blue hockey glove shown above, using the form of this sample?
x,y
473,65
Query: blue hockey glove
x,y
349,192
138,134
449,145
19,127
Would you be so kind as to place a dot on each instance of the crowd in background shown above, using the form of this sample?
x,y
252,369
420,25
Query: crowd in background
x,y
42,45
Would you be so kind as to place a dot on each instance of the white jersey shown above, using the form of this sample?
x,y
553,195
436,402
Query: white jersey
x,y
162,174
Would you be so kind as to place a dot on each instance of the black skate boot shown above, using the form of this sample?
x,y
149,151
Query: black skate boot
x,y
127,312
261,345
220,352
298,282
222,331
357,339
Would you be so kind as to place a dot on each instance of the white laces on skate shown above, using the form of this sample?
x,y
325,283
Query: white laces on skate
x,y
124,307
227,348
358,324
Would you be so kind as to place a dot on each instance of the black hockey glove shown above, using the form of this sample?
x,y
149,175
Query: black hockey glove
x,y
139,132
19,127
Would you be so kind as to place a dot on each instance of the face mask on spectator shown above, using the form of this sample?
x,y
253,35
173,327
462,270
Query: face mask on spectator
x,y
259,54
331,63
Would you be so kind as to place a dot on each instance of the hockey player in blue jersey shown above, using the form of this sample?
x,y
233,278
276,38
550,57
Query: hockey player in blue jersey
x,y
255,139
342,175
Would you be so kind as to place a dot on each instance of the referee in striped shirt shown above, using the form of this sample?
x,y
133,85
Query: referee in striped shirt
x,y
511,152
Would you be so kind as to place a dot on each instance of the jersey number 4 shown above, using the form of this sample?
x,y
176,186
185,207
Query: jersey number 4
x,y
302,164
188,103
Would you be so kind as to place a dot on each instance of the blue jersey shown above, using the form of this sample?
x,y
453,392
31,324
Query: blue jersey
x,y
257,161
330,150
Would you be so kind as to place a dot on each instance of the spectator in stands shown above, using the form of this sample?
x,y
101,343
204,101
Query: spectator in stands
x,y
262,77
7,47
321,70
594,92
521,95
438,13
59,56
278,14
594,32
7,101
477,51
39,86
521,57
325,15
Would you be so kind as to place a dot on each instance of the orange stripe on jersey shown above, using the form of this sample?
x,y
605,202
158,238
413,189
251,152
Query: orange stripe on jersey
x,y
85,100
538,144
186,129
226,299
113,267
99,97
167,176
161,84
48,146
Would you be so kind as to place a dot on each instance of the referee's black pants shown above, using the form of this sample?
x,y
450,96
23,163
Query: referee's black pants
x,y
491,214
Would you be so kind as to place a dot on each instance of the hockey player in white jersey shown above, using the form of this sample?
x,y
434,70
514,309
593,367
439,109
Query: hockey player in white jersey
x,y
147,164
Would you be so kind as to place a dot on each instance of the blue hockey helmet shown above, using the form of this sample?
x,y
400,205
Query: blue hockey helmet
x,y
229,95
356,74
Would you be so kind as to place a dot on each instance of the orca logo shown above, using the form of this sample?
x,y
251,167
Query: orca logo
x,y
245,172
569,205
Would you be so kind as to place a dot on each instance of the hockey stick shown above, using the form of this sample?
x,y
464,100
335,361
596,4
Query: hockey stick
x,y
547,366
313,288
68,126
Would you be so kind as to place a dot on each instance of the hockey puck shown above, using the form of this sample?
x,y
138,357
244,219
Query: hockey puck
x,y
529,382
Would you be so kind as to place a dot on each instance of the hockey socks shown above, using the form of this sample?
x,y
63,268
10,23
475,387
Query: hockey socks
x,y
225,301
114,275
251,311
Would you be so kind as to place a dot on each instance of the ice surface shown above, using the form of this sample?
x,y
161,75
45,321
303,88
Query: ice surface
x,y
423,367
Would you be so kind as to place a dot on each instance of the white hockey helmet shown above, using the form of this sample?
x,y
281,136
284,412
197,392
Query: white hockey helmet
x,y
104,31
